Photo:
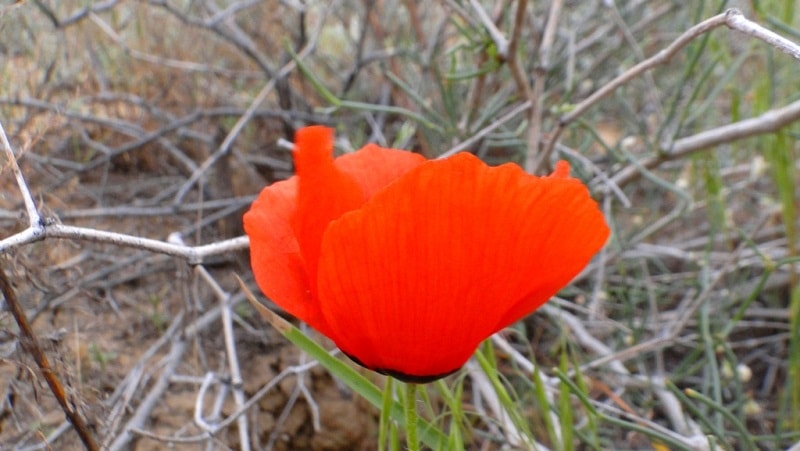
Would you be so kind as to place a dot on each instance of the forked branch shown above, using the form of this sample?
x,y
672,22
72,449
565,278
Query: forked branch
x,y
732,18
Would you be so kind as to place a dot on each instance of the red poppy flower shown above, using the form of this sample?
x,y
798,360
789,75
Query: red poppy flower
x,y
408,264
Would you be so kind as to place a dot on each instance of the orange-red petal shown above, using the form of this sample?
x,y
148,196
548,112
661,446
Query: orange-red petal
x,y
373,167
324,192
285,224
446,255
329,188
278,266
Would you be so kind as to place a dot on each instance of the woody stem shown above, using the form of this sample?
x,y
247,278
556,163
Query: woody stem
x,y
411,417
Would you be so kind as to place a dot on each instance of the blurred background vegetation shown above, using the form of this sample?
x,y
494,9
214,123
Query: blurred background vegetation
x,y
162,116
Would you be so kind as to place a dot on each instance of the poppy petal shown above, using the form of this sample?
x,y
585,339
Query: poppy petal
x,y
329,188
324,192
411,282
373,167
275,256
286,222
585,234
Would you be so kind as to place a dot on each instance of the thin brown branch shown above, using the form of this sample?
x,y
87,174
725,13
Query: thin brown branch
x,y
192,254
520,79
413,14
75,17
534,159
232,355
662,57
31,345
227,143
737,21
171,362
30,206
732,18
769,122
466,144
498,38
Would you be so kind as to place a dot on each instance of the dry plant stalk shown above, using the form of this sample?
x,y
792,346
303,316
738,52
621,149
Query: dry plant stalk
x,y
531,104
732,18
30,344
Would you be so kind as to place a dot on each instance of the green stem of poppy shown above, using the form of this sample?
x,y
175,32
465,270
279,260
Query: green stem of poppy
x,y
431,435
383,429
411,417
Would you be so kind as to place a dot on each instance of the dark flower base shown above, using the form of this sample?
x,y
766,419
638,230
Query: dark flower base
x,y
411,378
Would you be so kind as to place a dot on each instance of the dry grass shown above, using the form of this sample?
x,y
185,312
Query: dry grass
x,y
139,118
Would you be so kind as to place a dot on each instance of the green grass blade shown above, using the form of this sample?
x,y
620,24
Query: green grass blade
x,y
429,434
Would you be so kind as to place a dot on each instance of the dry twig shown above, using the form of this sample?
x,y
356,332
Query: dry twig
x,y
732,18
31,345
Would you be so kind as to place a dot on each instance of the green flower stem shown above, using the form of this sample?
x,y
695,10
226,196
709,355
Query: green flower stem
x,y
383,428
430,435
411,417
